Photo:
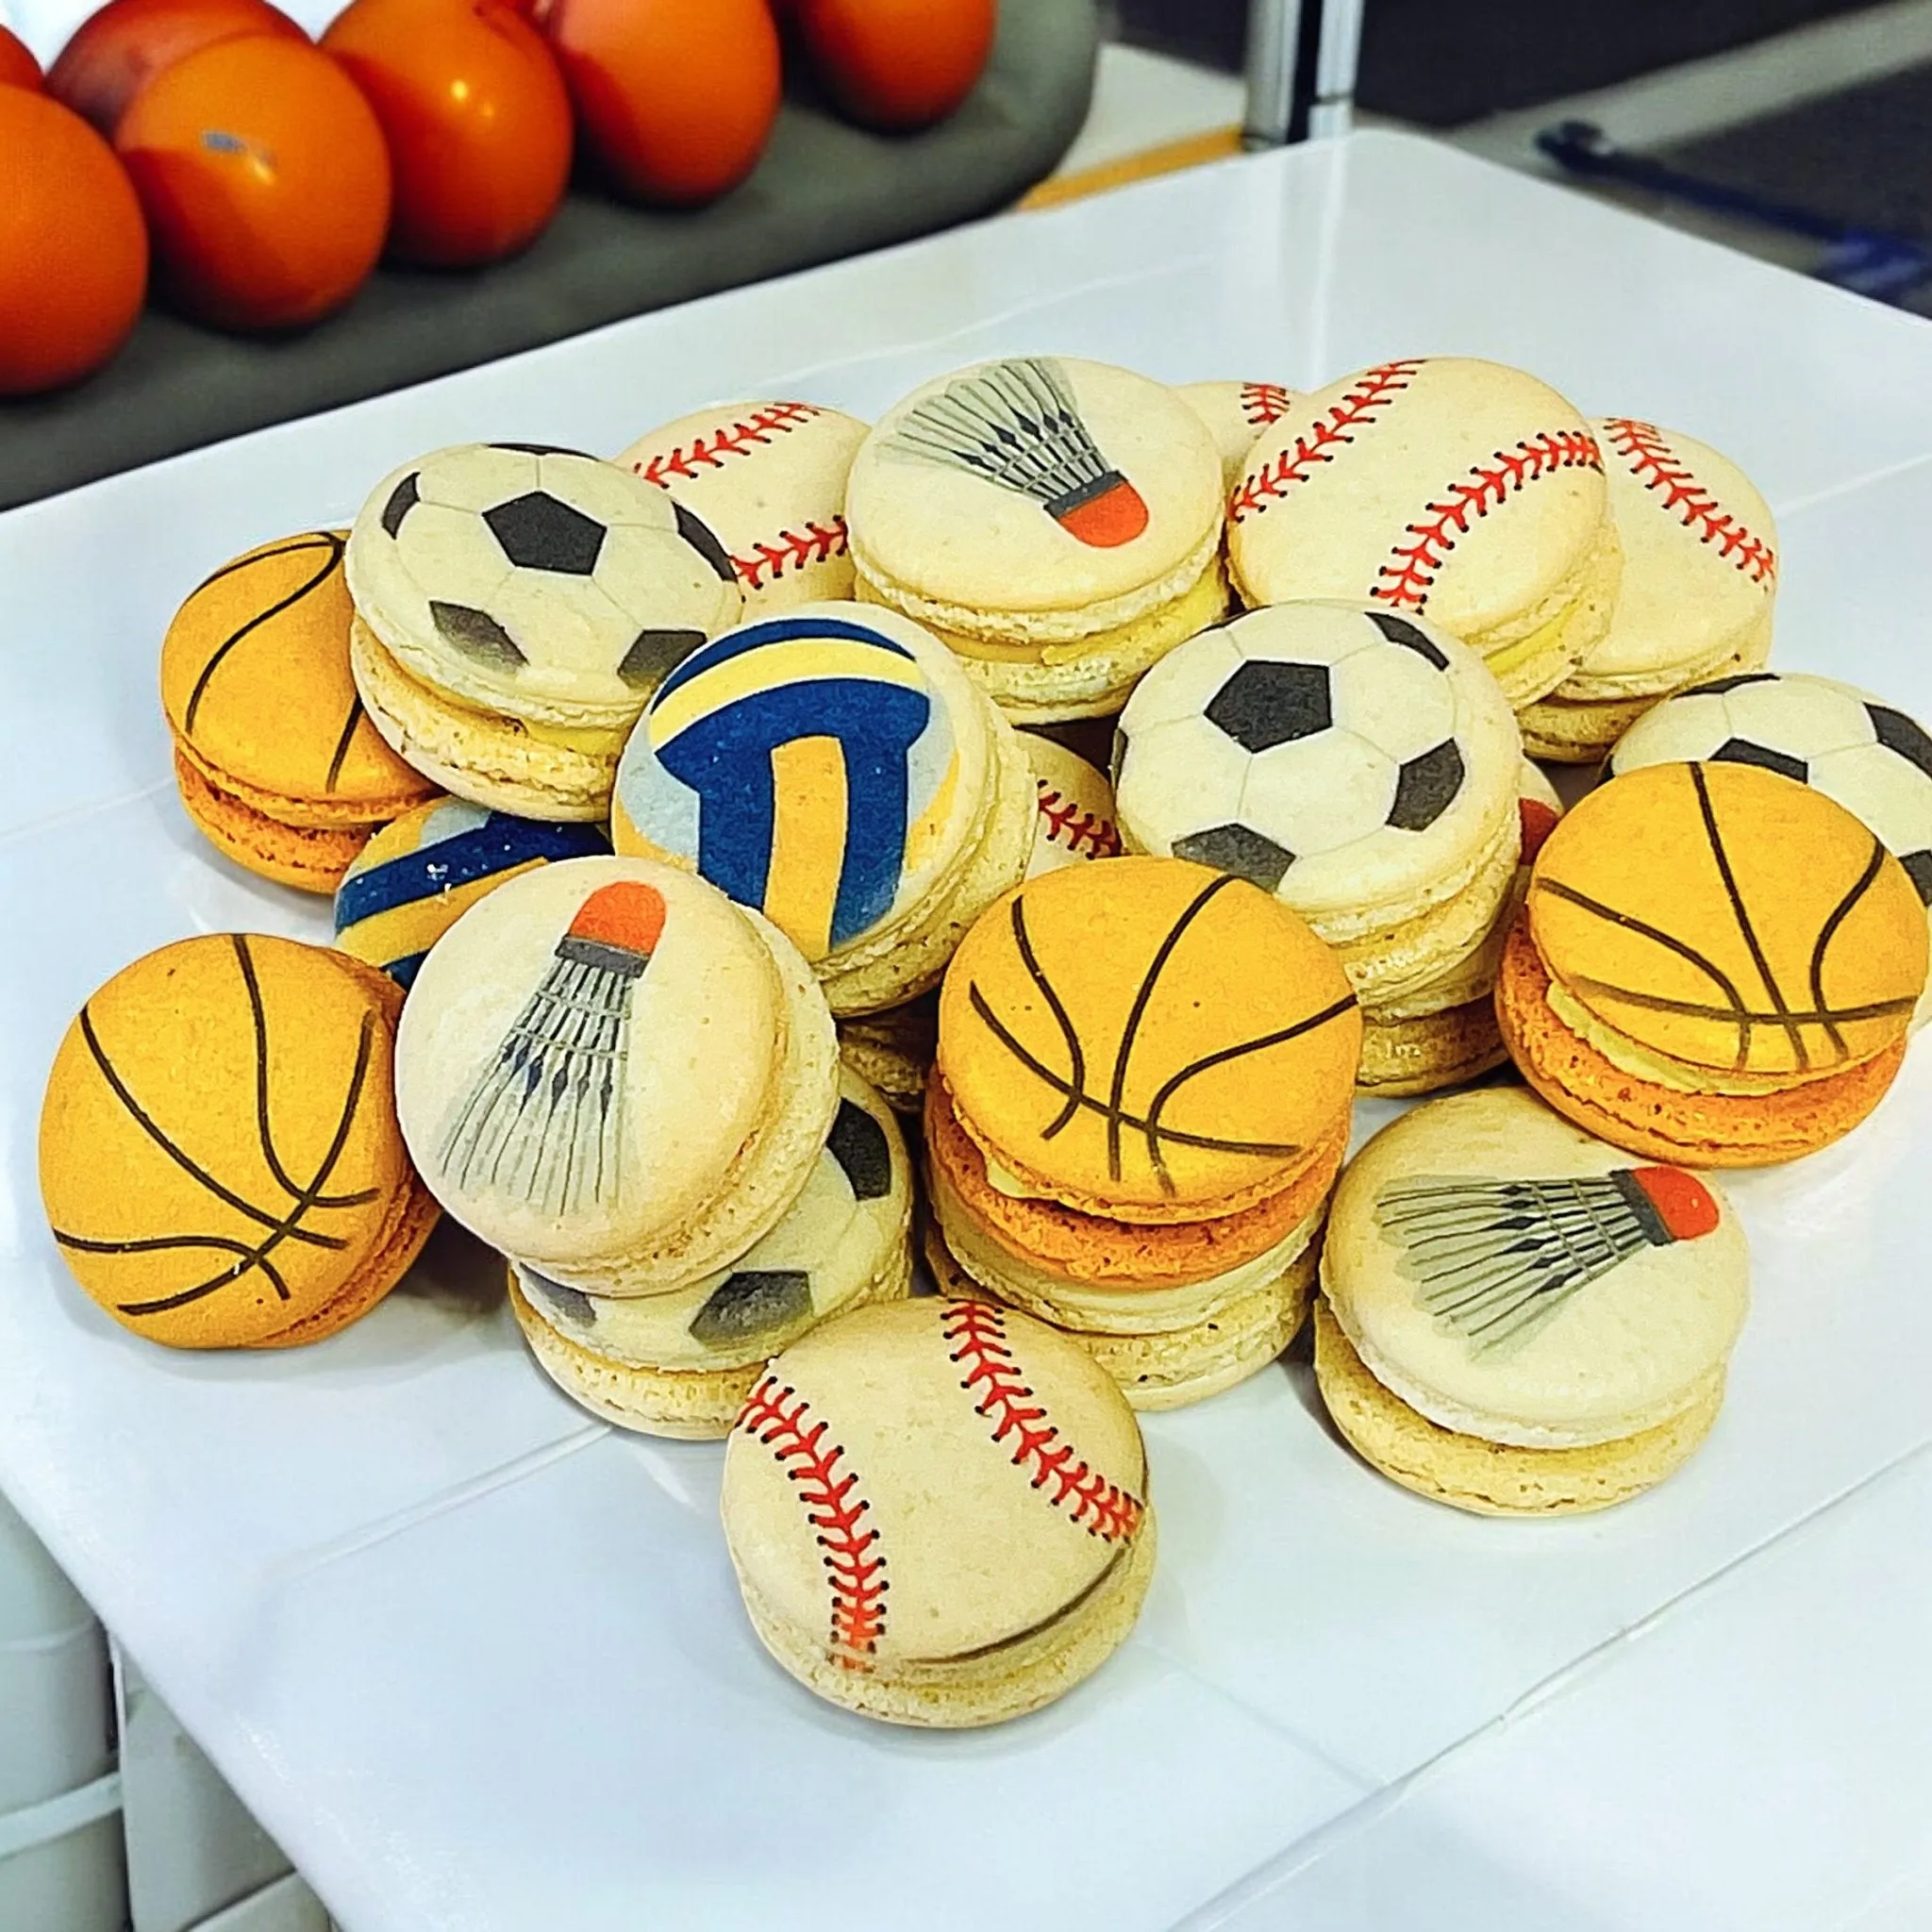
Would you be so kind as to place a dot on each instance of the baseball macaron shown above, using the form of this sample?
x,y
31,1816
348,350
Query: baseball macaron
x,y
682,1363
938,1513
615,1075
1236,414
768,480
1700,574
276,762
1076,819
1519,1319
835,768
515,606
1056,522
1441,487
219,1152
1140,1100
1715,965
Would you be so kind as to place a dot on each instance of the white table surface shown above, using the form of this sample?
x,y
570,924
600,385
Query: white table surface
x,y
478,1663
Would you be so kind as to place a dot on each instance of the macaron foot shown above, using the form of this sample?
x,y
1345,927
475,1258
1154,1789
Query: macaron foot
x,y
312,859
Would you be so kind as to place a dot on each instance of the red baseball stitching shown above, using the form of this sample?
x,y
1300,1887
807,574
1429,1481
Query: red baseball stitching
x,y
815,544
1657,466
978,1333
1263,403
1375,389
708,452
1073,827
1411,573
859,1585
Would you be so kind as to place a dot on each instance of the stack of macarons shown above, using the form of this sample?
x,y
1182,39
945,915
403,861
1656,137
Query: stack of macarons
x,y
1141,1102
1364,768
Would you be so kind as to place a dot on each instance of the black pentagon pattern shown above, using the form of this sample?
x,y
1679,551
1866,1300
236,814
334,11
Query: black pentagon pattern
x,y
754,1301
704,540
859,1145
402,500
1268,704
476,634
1898,733
536,531
1427,788
570,1303
1400,631
653,655
1239,849
1918,867
545,449
1740,750
1119,753
1717,685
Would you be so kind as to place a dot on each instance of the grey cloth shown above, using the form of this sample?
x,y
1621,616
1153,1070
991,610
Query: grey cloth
x,y
824,190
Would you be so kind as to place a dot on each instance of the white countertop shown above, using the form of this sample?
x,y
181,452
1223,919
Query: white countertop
x,y
478,1663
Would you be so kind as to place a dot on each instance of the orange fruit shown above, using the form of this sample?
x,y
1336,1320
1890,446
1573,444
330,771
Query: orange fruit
x,y
476,119
897,63
265,182
116,51
674,98
73,251
18,67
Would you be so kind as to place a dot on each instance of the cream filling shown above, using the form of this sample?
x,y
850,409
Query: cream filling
x,y
1747,648
1513,640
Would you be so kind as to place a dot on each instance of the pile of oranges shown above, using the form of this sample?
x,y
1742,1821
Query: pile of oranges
x,y
262,174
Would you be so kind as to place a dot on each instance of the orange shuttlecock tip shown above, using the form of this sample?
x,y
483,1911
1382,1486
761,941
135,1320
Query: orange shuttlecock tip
x,y
627,915
1113,514
1685,1206
1537,822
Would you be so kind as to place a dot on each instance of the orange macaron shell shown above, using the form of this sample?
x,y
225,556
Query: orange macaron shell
x,y
1147,1040
1090,1250
1724,917
312,859
220,1158
1663,1123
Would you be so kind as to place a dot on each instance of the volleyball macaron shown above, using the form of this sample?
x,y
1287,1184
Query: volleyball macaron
x,y
219,1152
275,761
1056,522
1716,964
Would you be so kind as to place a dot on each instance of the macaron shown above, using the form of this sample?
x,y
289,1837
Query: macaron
x,y
277,764
515,606
1517,1318
615,1075
1140,1100
219,1152
1441,487
1868,756
835,768
683,1363
1076,819
1715,965
768,480
892,1049
416,877
1235,413
1700,576
938,1513
1056,522
1361,767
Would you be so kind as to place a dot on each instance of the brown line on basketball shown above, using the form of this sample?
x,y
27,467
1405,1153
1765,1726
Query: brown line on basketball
x,y
1076,1055
1630,922
1840,912
1826,1017
221,652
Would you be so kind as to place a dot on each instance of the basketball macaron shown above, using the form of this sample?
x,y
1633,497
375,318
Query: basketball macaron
x,y
938,1513
1700,576
1441,487
515,606
1519,1319
1056,522
276,762
1716,965
1142,1098
218,1151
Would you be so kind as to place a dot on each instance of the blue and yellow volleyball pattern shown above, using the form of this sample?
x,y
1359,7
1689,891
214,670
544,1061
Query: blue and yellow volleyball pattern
x,y
805,766
416,877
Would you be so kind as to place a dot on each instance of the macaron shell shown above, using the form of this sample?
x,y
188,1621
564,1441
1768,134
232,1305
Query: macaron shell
x,y
768,480
1728,918
1236,414
982,1532
1443,487
1036,483
1512,1277
220,1157
312,859
256,684
1076,818
1147,1038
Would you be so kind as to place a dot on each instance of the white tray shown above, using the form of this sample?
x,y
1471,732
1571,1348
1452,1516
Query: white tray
x,y
480,1664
